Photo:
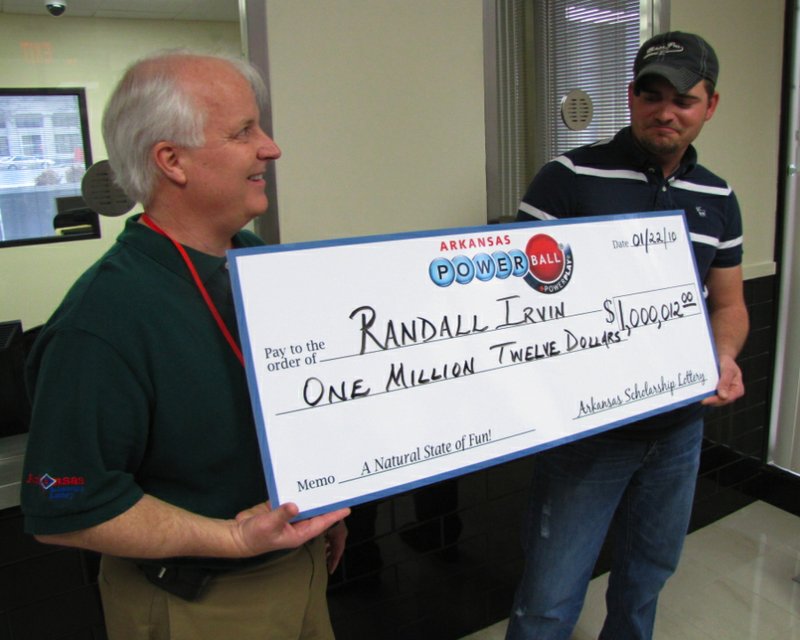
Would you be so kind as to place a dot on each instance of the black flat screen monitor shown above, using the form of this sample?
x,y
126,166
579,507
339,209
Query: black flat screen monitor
x,y
15,409
44,152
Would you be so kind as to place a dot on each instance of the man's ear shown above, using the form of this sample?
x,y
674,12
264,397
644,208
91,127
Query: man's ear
x,y
167,158
712,106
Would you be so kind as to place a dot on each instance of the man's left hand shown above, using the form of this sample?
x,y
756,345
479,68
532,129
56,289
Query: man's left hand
x,y
731,384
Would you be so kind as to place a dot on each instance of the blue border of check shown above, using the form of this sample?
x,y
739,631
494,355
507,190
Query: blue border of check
x,y
234,254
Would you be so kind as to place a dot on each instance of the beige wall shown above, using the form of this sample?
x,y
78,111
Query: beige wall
x,y
45,52
741,142
378,107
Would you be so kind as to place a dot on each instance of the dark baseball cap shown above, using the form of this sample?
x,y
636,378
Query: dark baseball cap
x,y
684,59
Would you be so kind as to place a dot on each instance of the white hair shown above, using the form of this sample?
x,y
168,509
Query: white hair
x,y
150,104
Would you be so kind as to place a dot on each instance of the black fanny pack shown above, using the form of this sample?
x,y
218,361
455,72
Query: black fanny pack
x,y
189,581
184,581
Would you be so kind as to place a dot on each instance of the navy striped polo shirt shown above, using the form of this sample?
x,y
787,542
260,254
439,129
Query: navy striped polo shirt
x,y
617,176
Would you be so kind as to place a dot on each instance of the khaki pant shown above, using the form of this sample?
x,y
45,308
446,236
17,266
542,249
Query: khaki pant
x,y
280,600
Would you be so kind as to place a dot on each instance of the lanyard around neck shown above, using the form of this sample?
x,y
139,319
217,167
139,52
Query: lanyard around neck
x,y
199,283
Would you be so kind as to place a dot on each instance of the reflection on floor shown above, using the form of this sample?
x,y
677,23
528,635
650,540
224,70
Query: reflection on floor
x,y
735,582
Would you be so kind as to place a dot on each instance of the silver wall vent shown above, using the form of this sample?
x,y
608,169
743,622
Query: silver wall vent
x,y
577,110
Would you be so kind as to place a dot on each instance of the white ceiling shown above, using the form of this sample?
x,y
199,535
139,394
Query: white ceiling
x,y
218,10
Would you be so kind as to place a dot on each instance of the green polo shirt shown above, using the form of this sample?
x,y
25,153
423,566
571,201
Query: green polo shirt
x,y
135,390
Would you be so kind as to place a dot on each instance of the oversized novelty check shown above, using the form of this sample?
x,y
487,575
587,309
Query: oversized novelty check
x,y
380,364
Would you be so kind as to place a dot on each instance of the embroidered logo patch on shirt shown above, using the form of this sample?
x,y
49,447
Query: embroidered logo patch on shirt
x,y
58,487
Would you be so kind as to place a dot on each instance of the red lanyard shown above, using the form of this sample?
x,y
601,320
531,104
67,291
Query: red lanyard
x,y
209,302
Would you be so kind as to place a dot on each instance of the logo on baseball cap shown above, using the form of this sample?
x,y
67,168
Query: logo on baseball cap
x,y
684,59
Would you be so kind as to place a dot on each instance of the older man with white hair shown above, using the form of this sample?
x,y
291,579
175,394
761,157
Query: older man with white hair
x,y
143,445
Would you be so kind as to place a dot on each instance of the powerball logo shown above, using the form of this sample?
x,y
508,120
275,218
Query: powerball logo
x,y
545,265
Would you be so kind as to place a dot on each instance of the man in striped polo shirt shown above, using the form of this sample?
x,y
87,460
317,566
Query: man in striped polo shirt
x,y
636,482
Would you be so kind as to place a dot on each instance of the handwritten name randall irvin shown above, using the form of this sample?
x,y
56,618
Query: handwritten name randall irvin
x,y
392,335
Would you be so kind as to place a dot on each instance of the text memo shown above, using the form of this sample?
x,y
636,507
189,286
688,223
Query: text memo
x,y
379,364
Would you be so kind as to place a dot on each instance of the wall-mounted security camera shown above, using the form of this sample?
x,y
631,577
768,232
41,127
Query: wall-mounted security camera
x,y
55,8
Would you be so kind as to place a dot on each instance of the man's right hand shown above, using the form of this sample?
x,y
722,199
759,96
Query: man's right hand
x,y
152,528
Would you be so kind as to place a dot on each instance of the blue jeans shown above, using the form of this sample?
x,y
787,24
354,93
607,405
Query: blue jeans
x,y
642,491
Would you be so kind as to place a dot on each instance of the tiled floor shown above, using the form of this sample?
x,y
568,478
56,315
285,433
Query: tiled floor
x,y
735,582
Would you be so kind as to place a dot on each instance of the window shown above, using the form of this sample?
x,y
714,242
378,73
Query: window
x,y
32,145
29,120
535,53
69,144
66,120
586,45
